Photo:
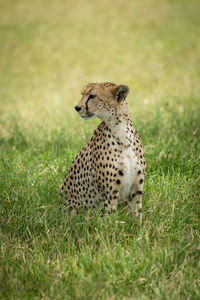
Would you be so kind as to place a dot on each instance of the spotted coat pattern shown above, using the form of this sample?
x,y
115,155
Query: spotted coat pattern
x,y
111,167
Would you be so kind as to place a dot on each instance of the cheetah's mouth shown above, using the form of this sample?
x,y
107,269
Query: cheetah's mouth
x,y
88,116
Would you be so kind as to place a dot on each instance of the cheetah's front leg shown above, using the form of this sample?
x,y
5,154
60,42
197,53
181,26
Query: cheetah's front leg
x,y
110,200
135,198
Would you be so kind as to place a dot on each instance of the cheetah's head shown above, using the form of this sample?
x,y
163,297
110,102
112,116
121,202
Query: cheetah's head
x,y
101,99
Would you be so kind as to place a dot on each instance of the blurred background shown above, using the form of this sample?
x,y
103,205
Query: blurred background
x,y
50,49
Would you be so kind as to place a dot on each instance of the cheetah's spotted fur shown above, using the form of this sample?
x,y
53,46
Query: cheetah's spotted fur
x,y
111,167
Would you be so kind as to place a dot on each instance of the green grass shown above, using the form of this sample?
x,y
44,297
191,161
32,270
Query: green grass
x,y
48,51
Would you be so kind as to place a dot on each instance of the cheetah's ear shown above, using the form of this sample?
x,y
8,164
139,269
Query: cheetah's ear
x,y
120,92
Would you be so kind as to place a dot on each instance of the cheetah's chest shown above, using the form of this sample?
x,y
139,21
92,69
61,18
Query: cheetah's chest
x,y
128,164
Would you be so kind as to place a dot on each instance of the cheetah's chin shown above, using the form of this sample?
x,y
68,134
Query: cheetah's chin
x,y
88,117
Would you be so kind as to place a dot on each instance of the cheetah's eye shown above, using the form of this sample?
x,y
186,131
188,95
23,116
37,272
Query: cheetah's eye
x,y
91,97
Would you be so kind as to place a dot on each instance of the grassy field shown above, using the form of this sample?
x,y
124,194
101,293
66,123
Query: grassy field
x,y
48,51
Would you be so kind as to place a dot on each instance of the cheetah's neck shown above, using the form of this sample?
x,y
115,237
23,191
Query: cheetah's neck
x,y
122,129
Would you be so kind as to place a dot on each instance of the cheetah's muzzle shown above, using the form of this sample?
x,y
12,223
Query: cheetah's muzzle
x,y
88,116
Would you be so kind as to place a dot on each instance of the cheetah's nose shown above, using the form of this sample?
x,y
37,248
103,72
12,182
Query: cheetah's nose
x,y
77,108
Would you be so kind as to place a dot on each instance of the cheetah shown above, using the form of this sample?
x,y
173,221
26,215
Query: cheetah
x,y
111,168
